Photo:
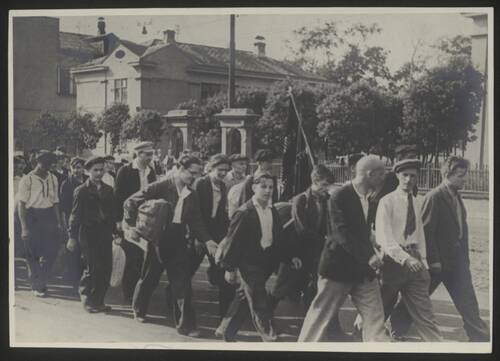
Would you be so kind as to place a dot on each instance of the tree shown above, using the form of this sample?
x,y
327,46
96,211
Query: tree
x,y
82,131
112,120
52,129
359,118
340,53
145,125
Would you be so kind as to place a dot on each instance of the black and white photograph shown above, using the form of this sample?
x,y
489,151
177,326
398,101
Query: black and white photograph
x,y
298,179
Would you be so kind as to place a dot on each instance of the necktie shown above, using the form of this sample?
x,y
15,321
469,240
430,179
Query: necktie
x,y
410,217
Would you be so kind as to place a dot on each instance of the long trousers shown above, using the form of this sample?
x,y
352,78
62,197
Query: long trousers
x,y
133,265
215,276
459,286
414,289
172,256
294,283
96,247
255,305
41,248
331,296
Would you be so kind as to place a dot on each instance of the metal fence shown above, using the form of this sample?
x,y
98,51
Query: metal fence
x,y
429,177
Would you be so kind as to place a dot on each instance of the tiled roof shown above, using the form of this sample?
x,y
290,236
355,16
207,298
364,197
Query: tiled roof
x,y
137,49
75,45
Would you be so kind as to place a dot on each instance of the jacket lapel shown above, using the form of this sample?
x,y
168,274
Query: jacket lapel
x,y
356,204
255,220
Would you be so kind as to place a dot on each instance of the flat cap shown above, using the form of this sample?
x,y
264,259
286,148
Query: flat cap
x,y
143,146
238,157
93,161
76,161
46,156
109,158
403,148
263,155
406,164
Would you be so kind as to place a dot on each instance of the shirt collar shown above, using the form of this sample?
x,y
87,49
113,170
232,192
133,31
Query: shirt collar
x,y
450,190
359,194
257,204
135,165
402,193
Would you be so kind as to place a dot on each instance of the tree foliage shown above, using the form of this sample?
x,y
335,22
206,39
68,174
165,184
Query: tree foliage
x,y
145,125
112,120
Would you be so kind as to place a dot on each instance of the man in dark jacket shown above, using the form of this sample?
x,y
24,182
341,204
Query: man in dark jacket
x,y
92,225
348,260
264,159
131,178
252,249
73,264
173,251
447,242
212,192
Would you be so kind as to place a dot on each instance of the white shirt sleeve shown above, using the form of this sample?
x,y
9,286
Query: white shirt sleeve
x,y
420,233
54,196
385,234
24,189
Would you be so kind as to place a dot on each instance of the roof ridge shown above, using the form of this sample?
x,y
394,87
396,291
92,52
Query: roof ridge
x,y
79,34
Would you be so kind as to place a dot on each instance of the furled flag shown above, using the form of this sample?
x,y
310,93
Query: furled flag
x,y
298,159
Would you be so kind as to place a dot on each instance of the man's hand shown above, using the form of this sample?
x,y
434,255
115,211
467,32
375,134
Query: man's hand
x,y
119,226
414,264
296,263
118,241
71,245
230,277
375,262
199,247
211,247
25,234
435,268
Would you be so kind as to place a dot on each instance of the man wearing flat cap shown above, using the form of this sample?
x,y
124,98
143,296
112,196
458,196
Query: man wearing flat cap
x,y
400,234
239,165
130,179
41,225
91,226
73,267
212,193
109,171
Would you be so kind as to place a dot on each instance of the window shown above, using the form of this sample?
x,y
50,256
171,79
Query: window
x,y
120,90
209,89
65,81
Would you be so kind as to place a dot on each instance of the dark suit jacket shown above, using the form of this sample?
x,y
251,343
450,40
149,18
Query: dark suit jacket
x,y
167,190
127,182
242,243
441,229
217,226
348,248
306,220
66,195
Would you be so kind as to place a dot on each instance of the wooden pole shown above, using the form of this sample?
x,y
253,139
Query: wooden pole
x,y
231,82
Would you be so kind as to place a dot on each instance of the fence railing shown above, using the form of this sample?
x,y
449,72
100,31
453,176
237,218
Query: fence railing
x,y
477,179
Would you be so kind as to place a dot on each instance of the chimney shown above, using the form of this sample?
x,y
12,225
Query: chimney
x,y
101,26
169,36
260,46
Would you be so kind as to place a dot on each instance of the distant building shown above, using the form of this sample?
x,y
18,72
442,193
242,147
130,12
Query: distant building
x,y
161,73
477,151
42,58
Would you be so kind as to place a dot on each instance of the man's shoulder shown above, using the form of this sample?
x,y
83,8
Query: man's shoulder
x,y
435,193
344,190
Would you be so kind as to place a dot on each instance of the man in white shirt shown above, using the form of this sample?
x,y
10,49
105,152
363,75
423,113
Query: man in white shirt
x,y
40,219
400,234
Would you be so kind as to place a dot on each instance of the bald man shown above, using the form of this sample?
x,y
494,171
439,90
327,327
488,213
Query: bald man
x,y
348,261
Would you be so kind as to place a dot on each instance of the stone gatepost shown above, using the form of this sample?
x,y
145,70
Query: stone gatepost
x,y
237,119
179,120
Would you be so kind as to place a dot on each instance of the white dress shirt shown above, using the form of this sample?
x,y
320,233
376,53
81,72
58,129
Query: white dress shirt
x,y
216,196
266,223
38,192
390,226
143,173
183,193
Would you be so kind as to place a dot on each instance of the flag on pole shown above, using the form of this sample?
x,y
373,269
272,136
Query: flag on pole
x,y
298,159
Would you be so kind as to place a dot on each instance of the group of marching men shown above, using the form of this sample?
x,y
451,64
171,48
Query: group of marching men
x,y
373,238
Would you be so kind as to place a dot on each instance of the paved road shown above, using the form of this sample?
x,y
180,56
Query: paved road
x,y
60,317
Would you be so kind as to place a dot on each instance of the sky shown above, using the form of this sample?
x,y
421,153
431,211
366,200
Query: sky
x,y
400,31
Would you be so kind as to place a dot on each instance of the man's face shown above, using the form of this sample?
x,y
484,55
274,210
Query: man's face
x,y
109,166
219,172
263,190
47,166
321,186
457,179
376,177
240,166
145,157
96,171
77,170
266,165
188,175
18,167
407,179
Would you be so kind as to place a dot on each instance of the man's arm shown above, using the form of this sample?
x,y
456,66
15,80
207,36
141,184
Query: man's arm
x,y
132,203
119,191
304,230
75,218
195,220
360,250
430,221
230,251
